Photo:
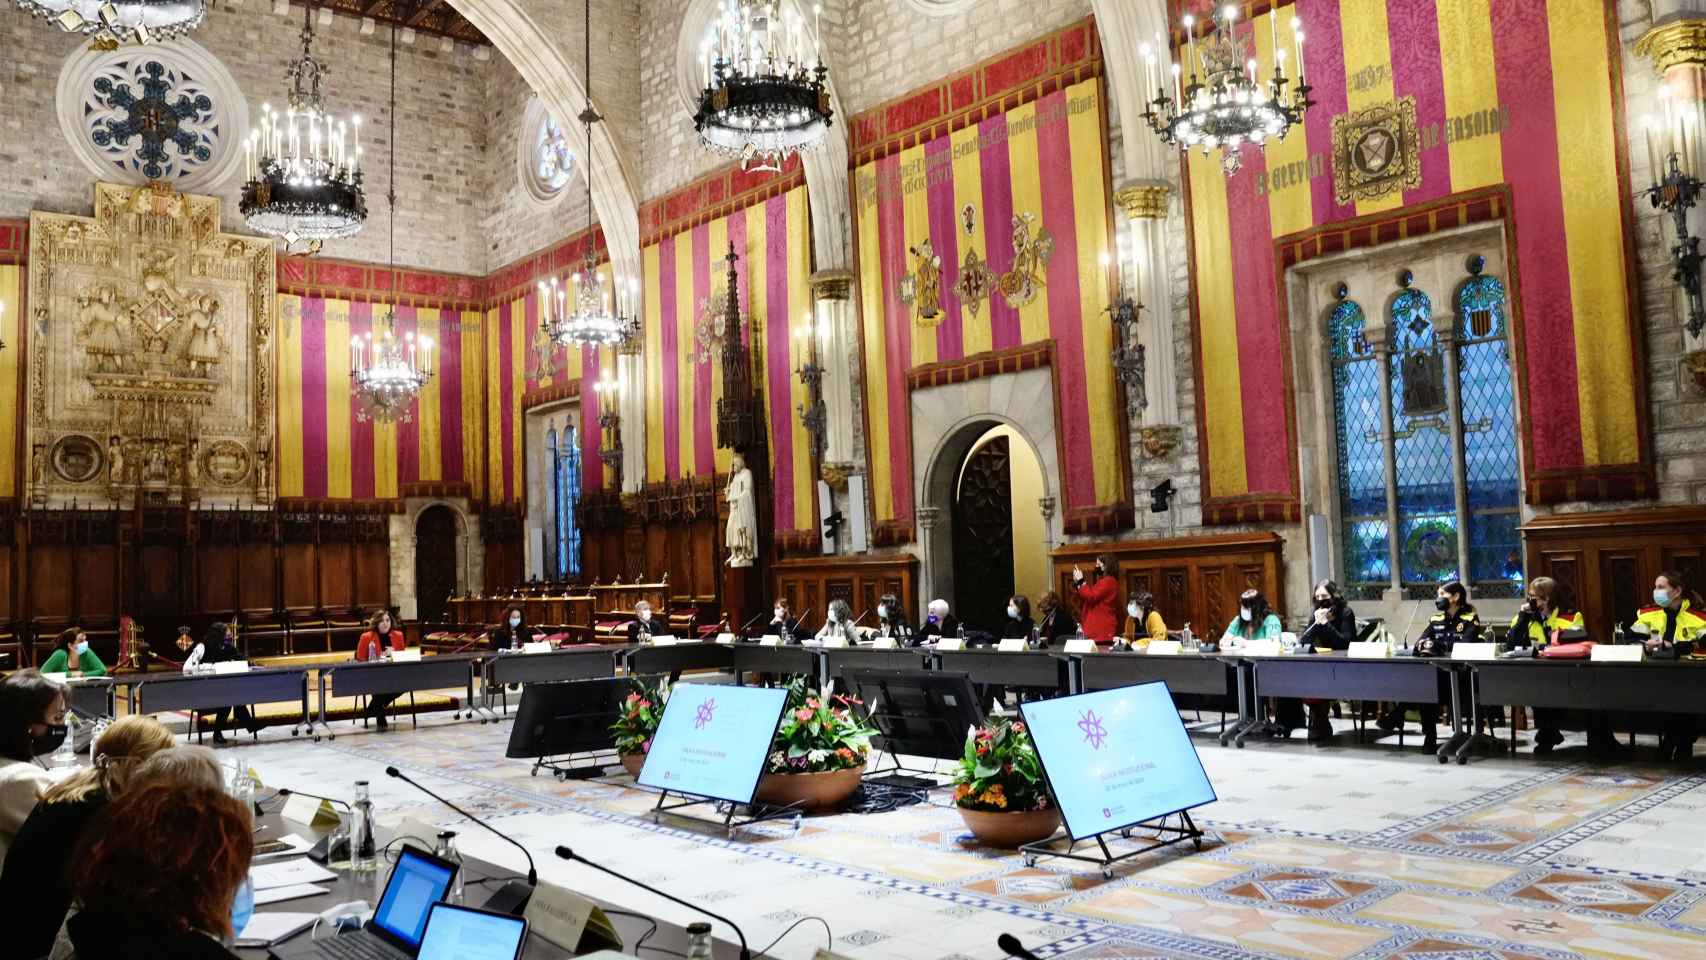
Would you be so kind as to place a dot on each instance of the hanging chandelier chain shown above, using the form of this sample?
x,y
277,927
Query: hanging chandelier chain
x,y
391,183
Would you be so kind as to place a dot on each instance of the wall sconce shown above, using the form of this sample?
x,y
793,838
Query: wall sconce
x,y
1129,360
814,414
1673,146
608,391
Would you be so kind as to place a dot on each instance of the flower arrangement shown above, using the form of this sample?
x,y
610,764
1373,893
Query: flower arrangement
x,y
1000,772
638,722
819,734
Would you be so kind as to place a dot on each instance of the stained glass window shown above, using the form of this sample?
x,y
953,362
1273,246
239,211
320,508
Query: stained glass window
x,y
1418,384
564,519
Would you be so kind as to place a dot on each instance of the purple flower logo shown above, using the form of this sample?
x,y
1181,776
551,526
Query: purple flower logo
x,y
707,713
1094,733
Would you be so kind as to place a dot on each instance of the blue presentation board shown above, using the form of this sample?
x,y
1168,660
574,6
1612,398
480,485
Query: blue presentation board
x,y
713,741
1118,757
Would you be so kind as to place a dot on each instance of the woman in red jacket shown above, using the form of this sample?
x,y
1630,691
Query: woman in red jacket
x,y
380,640
1098,601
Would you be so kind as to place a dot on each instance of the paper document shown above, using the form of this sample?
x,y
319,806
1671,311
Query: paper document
x,y
283,873
266,929
295,891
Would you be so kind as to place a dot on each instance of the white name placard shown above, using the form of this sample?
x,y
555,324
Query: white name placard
x,y
884,643
1475,651
1618,652
770,640
1368,650
835,643
950,643
307,810
1013,645
1164,648
231,666
410,655
725,638
1261,648
663,640
1081,645
536,646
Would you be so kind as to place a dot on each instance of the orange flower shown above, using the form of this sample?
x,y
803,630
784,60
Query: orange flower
x,y
995,796
961,791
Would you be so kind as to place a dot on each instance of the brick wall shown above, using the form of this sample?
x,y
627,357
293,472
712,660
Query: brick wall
x,y
515,224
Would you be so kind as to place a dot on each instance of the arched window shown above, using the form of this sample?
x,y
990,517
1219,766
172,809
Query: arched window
x,y
545,156
1448,517
565,501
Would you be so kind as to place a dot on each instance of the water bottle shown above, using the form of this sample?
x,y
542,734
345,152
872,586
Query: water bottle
x,y
242,786
1080,634
363,850
699,941
961,631
447,851
94,738
66,754
1188,642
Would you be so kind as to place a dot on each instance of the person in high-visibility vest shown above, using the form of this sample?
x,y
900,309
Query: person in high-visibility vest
x,y
1674,626
1544,620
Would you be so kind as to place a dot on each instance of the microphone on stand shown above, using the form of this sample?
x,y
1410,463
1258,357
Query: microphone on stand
x,y
1011,946
322,850
572,856
512,897
799,624
748,625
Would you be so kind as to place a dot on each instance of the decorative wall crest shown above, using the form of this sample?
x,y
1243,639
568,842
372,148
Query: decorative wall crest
x,y
151,354
1376,151
1031,253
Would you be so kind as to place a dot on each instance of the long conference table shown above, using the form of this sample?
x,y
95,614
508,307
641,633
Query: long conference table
x,y
1467,686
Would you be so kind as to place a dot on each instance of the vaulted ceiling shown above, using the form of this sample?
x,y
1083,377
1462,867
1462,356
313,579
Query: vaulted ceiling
x,y
436,17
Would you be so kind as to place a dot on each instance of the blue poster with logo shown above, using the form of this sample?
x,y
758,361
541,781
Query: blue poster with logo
x,y
712,741
1116,757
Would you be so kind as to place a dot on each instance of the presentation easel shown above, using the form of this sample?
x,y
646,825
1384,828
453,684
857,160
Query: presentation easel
x,y
757,812
1186,830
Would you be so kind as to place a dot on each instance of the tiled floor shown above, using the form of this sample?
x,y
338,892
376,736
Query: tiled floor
x,y
1352,850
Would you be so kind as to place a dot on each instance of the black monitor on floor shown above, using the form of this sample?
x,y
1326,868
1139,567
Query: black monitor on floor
x,y
567,717
920,713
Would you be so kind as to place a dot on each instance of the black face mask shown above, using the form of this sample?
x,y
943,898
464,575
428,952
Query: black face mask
x,y
1326,604
1442,603
48,740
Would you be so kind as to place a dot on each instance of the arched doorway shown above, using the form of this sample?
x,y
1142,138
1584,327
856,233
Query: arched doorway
x,y
435,562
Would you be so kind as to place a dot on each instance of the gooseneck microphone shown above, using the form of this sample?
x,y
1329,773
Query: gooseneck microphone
x,y
293,792
572,856
512,897
1011,946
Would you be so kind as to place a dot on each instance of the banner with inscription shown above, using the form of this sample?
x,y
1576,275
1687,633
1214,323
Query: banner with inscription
x,y
981,206
1511,102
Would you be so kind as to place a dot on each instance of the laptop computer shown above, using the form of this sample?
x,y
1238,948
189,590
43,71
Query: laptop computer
x,y
418,881
464,933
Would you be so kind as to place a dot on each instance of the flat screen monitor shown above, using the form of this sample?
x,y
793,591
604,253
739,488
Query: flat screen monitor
x,y
569,716
920,713
713,740
417,882
1116,757
464,933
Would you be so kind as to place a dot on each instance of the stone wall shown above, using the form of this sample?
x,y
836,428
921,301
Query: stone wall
x,y
440,98
515,224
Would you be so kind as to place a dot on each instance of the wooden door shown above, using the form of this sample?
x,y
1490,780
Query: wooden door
x,y
435,563
983,537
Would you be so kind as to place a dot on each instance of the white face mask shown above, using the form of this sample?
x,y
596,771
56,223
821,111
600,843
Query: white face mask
x,y
515,621
1131,609
883,610
1244,613
778,613
645,614
1012,612
834,617
80,647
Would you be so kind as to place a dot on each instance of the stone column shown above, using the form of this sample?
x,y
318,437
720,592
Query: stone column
x,y
832,296
931,581
631,405
1144,271
402,551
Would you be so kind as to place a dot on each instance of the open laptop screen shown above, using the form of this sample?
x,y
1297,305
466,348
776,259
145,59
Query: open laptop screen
x,y
417,882
461,933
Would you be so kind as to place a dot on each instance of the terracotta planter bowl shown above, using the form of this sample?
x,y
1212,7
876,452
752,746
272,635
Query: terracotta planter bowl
x,y
809,791
632,762
1010,829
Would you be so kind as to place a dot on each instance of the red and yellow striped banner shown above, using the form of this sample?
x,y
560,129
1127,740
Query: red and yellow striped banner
x,y
12,286
683,273
324,452
1523,98
960,180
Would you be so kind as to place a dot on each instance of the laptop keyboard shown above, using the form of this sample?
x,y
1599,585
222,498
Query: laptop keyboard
x,y
359,948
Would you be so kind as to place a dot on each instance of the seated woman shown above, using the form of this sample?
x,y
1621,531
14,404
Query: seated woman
x,y
641,628
72,656
1056,625
1019,625
381,640
35,885
783,623
1333,626
32,725
512,632
891,620
838,623
1145,618
1255,621
162,874
939,623
1455,622
220,646
1543,619
1674,626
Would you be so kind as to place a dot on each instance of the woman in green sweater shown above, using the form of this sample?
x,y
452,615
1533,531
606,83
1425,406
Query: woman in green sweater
x,y
73,657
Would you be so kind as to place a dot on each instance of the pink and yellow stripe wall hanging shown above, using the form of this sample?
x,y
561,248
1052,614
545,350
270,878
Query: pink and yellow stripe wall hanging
x,y
684,271
1518,117
1021,136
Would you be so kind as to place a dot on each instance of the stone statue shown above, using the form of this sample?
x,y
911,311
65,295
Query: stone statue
x,y
741,537
204,348
101,324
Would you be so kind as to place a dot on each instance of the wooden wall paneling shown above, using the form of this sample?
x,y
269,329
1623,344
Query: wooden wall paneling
x,y
1610,559
257,564
1620,589
373,575
299,586
1195,580
158,582
809,583
51,580
216,566
8,571
336,569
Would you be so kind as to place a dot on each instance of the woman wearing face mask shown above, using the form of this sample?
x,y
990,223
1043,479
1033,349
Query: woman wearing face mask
x,y
73,657
219,645
512,631
1674,626
162,874
381,639
891,619
1098,601
641,628
1454,622
1055,625
32,725
1019,624
939,623
1255,621
1145,618
782,622
1542,620
838,623
1333,625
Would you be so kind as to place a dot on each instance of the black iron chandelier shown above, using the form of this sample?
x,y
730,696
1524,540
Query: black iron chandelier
x,y
592,320
112,22
1217,99
303,167
764,99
